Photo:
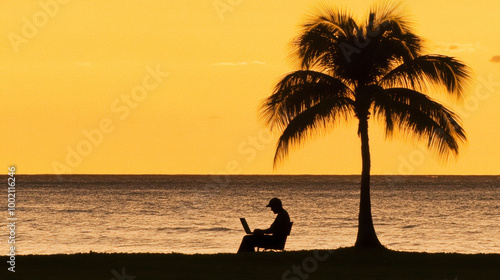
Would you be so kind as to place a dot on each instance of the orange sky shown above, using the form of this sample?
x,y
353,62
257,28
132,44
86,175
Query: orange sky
x,y
173,87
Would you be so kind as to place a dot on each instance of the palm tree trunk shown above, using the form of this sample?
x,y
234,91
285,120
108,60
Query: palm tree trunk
x,y
366,232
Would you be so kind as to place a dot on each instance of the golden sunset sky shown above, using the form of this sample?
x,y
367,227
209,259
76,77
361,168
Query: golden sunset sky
x,y
174,87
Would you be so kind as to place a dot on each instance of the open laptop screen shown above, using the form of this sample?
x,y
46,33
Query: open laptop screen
x,y
245,225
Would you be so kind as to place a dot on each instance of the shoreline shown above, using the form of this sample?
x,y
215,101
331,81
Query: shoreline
x,y
342,263
234,253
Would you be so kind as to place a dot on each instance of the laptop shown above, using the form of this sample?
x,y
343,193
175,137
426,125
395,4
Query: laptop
x,y
245,225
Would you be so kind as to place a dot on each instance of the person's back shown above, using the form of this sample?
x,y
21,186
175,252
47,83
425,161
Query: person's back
x,y
281,224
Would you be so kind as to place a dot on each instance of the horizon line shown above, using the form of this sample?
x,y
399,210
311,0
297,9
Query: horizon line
x,y
200,174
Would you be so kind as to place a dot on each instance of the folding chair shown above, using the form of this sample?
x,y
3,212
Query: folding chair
x,y
279,246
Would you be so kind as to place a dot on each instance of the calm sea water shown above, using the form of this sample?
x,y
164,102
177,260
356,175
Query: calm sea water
x,y
199,214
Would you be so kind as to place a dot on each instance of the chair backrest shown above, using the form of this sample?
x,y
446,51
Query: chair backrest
x,y
281,243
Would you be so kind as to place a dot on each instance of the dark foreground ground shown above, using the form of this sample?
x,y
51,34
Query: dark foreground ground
x,y
345,263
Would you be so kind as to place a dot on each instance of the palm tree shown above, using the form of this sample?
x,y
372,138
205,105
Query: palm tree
x,y
355,71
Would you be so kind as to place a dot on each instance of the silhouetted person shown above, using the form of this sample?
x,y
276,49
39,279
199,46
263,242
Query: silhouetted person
x,y
273,236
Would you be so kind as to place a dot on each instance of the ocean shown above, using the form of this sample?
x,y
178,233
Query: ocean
x,y
200,214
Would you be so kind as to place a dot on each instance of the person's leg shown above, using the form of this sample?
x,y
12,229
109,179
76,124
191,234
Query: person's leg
x,y
266,242
247,244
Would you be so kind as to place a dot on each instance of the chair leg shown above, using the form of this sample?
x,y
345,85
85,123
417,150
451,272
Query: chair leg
x,y
269,250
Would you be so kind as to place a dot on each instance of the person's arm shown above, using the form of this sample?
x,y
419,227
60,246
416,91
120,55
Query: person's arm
x,y
273,226
266,231
258,231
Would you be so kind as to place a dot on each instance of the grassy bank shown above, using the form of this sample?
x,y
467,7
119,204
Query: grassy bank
x,y
346,263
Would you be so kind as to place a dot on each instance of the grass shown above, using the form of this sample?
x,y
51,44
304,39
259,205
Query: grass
x,y
344,263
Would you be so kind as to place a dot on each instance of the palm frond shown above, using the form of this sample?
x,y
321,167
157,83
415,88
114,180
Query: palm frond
x,y
392,38
326,28
337,17
297,92
415,114
424,71
314,119
390,13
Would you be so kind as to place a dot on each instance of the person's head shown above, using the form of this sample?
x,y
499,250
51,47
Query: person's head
x,y
275,204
